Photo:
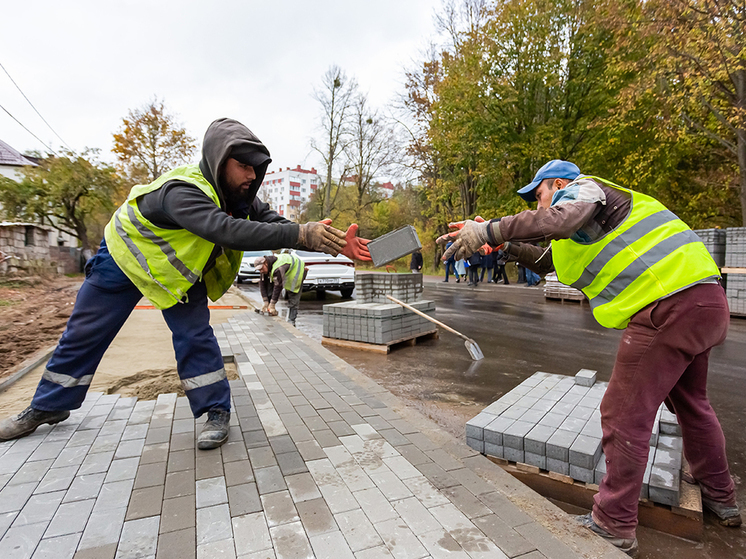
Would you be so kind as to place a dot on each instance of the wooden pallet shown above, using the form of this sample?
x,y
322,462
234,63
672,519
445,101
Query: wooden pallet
x,y
684,521
382,348
563,299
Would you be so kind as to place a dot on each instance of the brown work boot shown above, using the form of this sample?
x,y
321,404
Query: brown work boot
x,y
627,545
27,421
728,515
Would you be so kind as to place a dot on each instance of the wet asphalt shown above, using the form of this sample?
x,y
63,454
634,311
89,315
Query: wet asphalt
x,y
521,333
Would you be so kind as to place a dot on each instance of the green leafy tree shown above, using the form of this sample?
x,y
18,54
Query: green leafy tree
x,y
72,193
150,142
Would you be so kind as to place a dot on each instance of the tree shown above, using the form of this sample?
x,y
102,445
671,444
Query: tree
x,y
151,142
698,65
70,193
335,96
373,149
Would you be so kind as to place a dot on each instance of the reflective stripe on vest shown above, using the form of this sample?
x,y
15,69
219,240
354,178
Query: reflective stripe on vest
x,y
294,275
200,381
164,263
650,255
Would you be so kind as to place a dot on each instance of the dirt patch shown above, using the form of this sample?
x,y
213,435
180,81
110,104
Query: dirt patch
x,y
148,384
33,315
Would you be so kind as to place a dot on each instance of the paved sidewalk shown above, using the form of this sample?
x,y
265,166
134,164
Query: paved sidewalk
x,y
321,462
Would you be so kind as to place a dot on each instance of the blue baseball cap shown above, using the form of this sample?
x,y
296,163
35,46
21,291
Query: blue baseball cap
x,y
555,169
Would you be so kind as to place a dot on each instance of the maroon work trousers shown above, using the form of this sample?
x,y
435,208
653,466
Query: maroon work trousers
x,y
663,355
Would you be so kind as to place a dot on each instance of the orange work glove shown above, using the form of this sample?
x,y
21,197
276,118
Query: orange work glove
x,y
356,247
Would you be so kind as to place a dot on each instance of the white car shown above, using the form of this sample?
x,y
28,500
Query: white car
x,y
247,271
327,273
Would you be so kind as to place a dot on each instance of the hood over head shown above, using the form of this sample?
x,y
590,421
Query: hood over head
x,y
226,138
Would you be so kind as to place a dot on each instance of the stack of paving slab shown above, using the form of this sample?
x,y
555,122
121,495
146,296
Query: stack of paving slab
x,y
553,422
374,319
714,240
735,257
553,289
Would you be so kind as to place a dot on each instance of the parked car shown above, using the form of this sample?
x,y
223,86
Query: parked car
x,y
327,273
247,271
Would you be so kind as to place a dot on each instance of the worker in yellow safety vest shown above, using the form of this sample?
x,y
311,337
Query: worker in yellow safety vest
x,y
277,272
643,270
177,241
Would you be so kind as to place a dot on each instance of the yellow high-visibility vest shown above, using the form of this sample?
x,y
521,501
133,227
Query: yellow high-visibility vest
x,y
164,263
294,275
650,255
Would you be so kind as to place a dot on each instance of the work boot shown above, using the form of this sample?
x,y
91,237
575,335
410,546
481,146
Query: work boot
x,y
627,545
215,431
728,515
27,421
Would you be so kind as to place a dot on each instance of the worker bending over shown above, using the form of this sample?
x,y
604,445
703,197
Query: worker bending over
x,y
282,270
645,271
177,241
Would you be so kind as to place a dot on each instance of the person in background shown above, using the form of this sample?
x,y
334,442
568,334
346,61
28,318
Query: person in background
x,y
451,266
460,267
415,264
281,271
501,259
475,262
488,264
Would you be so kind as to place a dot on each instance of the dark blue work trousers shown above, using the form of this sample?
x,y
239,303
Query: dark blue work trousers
x,y
104,302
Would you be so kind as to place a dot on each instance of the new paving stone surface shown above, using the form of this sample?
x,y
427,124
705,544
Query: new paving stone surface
x,y
321,462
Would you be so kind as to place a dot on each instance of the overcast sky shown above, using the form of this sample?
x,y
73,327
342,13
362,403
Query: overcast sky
x,y
84,64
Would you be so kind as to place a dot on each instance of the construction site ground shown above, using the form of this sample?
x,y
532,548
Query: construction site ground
x,y
436,381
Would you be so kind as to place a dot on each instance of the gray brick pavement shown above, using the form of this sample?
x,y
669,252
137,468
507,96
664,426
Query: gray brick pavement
x,y
317,465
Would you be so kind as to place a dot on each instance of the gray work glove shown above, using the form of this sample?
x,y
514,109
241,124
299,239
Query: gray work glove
x,y
271,310
468,240
264,307
321,237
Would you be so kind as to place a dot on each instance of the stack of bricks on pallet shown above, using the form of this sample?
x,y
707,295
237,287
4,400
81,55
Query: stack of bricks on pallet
x,y
376,323
735,257
553,422
714,240
372,287
553,289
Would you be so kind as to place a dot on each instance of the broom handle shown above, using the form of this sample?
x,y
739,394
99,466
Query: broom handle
x,y
430,318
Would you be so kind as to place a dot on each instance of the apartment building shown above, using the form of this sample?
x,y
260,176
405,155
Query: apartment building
x,y
288,189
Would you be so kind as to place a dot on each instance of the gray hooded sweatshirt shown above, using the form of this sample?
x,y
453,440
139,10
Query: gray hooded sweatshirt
x,y
180,205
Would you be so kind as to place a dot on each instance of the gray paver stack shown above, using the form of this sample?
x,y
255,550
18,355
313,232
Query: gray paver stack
x,y
553,422
374,319
714,240
553,289
735,257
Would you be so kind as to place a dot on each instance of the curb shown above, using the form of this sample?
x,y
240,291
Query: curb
x,y
27,366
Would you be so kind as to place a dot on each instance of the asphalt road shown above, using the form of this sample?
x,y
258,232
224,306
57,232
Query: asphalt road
x,y
520,333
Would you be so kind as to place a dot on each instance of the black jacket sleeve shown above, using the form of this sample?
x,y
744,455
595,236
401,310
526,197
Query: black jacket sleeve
x,y
179,205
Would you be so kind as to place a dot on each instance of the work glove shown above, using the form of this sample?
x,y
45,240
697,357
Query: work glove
x,y
357,247
271,310
469,238
264,307
320,236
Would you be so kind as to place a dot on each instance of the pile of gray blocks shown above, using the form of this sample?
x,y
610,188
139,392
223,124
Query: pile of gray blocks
x,y
376,323
372,287
374,319
553,422
735,257
714,240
